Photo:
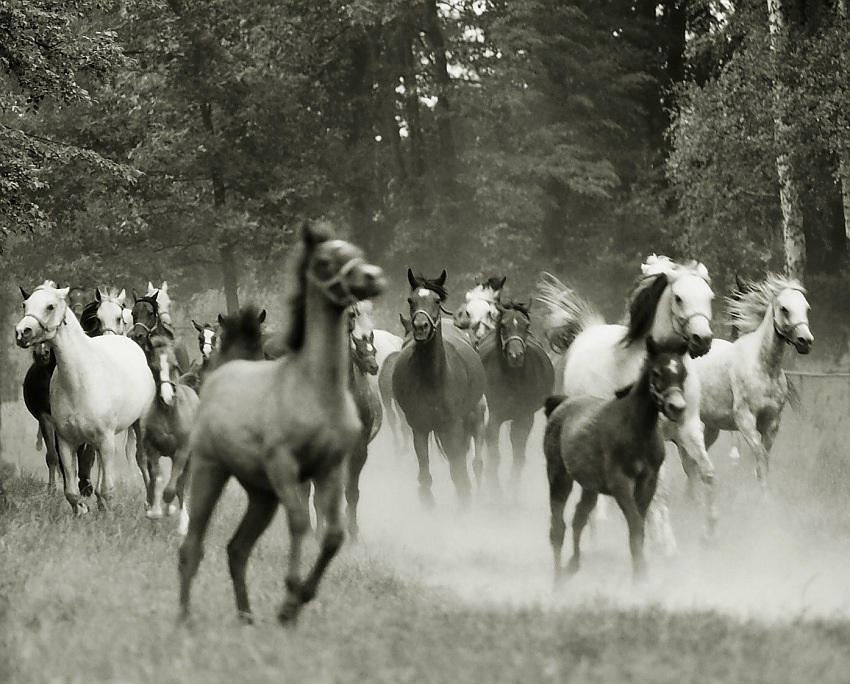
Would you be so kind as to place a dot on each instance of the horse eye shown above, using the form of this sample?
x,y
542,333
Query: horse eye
x,y
784,311
50,307
678,299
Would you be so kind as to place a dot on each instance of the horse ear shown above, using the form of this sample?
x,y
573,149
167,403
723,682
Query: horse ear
x,y
199,328
498,283
461,318
24,293
164,287
262,317
411,279
623,391
405,323
371,337
97,295
151,289
135,296
62,292
442,279
122,296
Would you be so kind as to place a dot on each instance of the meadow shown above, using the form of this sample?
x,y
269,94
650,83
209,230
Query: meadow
x,y
444,596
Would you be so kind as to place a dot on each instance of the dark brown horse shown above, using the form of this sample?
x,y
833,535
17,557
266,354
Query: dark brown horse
x,y
277,425
613,447
519,378
439,382
147,323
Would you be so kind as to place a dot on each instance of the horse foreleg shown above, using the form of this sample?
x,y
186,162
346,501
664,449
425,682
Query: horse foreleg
x,y
582,513
86,456
262,506
477,427
282,472
624,491
176,485
657,514
106,463
560,485
207,484
420,446
328,494
691,442
456,444
520,430
153,482
68,458
747,425
51,455
356,461
494,456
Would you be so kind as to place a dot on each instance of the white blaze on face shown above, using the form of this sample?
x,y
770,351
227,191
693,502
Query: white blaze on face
x,y
424,292
166,389
207,349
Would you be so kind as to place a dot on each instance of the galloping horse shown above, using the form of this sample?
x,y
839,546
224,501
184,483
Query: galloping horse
x,y
101,386
743,385
439,383
669,302
613,447
165,430
519,378
479,312
276,425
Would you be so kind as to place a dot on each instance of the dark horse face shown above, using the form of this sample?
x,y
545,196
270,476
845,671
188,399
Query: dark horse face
x,y
41,353
667,374
145,321
514,326
363,353
207,339
425,300
77,300
241,334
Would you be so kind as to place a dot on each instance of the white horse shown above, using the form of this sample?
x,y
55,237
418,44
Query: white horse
x,y
163,300
744,388
479,313
670,302
102,386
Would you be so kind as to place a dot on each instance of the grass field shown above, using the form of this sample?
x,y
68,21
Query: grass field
x,y
445,597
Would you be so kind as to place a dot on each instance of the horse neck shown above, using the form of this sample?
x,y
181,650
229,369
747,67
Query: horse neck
x,y
431,355
662,330
771,345
641,411
326,351
70,345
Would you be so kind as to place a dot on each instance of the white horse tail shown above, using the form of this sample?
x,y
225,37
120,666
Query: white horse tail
x,y
568,313
794,397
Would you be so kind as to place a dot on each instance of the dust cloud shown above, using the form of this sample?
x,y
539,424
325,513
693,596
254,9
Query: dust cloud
x,y
779,560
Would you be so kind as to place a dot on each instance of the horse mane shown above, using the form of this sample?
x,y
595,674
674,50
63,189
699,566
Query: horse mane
x,y
295,305
149,299
747,307
523,307
111,294
432,284
568,313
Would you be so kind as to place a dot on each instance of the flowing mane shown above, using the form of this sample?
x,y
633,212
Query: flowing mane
x,y
568,313
483,291
432,284
295,305
642,303
748,307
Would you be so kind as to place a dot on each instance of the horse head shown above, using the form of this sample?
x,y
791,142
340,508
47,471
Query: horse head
x,y
44,312
163,364
363,353
145,316
426,304
110,311
672,302
480,311
513,328
163,300
77,300
665,371
241,334
791,318
207,339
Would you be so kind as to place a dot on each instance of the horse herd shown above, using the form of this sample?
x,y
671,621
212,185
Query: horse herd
x,y
293,414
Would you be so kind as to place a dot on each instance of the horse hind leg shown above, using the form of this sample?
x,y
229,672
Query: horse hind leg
x,y
262,506
352,486
560,485
207,484
420,446
582,513
476,427
67,457
657,514
456,445
106,464
51,453
153,485
520,430
86,457
494,456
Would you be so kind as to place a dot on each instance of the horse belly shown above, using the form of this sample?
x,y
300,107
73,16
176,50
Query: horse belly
x,y
581,449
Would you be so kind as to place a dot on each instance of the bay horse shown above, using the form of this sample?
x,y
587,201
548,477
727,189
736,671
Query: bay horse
x,y
240,335
479,313
77,300
670,302
743,385
163,302
101,386
519,378
165,431
438,382
613,447
277,425
208,346
147,323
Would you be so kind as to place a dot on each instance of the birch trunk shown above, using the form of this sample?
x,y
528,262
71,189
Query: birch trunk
x,y
844,154
793,237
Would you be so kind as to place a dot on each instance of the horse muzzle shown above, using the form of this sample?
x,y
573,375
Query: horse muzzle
x,y
674,405
367,281
803,340
25,335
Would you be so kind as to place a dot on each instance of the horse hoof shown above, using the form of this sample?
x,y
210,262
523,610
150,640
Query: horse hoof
x,y
172,509
153,514
246,618
86,490
81,508
427,500
572,567
288,615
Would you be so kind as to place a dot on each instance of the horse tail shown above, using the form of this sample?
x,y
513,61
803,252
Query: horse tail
x,y
568,313
553,402
794,397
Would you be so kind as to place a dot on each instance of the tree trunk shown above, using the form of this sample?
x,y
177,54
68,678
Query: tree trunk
x,y
793,237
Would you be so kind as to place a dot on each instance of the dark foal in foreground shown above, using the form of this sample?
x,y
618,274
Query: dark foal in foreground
x,y
612,447
519,378
277,425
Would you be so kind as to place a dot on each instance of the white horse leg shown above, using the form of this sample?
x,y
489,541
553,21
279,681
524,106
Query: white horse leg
x,y
691,442
47,434
748,427
106,461
68,457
